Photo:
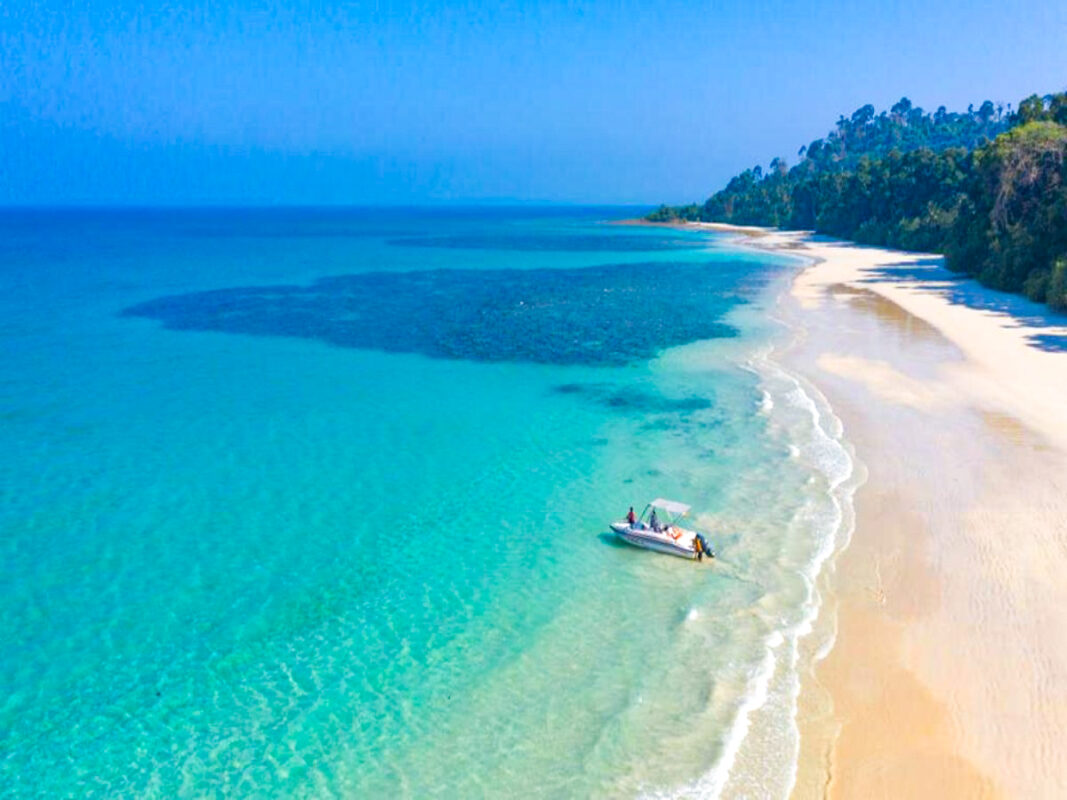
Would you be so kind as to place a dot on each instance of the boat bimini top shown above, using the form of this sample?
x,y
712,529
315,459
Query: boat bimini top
x,y
672,507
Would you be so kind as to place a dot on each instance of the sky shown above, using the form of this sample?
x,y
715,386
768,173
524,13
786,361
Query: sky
x,y
402,102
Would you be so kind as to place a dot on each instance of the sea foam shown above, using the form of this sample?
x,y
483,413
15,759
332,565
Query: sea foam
x,y
825,521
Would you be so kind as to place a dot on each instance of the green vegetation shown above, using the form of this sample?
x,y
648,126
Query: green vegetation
x,y
986,188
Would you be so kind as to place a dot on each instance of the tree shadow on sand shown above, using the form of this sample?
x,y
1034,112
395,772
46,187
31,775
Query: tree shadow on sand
x,y
960,290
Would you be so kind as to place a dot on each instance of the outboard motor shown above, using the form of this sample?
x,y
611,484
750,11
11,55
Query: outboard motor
x,y
704,545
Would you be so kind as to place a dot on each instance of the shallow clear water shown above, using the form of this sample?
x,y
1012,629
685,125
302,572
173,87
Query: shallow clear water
x,y
309,503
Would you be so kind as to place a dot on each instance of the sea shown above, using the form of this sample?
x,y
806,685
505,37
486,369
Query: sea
x,y
315,503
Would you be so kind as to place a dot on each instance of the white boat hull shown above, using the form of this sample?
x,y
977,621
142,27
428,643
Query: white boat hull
x,y
660,542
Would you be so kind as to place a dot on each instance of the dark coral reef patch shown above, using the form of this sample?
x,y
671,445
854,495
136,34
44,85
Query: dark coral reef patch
x,y
604,315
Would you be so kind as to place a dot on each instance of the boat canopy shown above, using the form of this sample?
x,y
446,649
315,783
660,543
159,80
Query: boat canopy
x,y
670,506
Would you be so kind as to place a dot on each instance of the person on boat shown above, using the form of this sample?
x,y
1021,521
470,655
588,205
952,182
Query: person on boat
x,y
653,521
698,547
631,518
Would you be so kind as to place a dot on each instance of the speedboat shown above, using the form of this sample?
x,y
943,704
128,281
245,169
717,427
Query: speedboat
x,y
663,534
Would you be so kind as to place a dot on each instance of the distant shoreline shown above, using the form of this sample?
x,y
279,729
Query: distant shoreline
x,y
718,227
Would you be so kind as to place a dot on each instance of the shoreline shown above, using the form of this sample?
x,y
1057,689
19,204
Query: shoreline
x,y
918,380
945,674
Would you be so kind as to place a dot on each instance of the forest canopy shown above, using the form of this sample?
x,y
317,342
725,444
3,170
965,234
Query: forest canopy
x,y
986,188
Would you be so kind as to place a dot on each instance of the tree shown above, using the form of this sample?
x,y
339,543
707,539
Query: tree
x,y
1031,109
1057,108
861,116
987,189
901,107
1057,284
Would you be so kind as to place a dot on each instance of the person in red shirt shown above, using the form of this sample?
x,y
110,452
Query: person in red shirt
x,y
631,517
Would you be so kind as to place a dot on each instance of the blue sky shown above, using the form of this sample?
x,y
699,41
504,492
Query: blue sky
x,y
393,101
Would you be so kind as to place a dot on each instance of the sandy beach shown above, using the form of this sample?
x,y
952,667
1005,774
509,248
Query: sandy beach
x,y
948,676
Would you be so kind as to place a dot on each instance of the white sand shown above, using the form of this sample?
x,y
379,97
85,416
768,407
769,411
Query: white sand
x,y
949,675
1004,369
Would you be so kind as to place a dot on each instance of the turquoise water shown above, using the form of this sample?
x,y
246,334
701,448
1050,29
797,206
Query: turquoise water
x,y
312,503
